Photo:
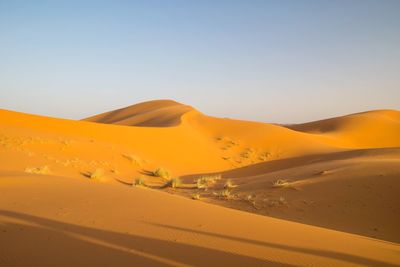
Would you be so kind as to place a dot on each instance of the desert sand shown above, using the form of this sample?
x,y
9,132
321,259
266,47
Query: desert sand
x,y
237,193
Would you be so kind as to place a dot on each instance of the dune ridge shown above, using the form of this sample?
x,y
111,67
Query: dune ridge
x,y
337,172
156,113
378,128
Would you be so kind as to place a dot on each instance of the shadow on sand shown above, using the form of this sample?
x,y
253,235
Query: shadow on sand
x,y
287,163
35,241
328,254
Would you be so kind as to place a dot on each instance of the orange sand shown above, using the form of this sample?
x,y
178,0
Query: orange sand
x,y
343,174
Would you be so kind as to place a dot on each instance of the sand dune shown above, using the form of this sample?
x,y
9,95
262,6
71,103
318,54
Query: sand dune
x,y
336,190
379,128
338,174
157,113
72,222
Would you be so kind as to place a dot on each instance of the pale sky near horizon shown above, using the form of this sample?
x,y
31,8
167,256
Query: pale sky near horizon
x,y
272,61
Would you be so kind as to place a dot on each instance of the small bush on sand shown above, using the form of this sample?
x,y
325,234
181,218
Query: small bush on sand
x,y
196,196
226,193
175,182
161,172
281,183
139,181
38,170
98,173
229,184
206,181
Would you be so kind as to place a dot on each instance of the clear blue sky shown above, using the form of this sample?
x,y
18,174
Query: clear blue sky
x,y
274,61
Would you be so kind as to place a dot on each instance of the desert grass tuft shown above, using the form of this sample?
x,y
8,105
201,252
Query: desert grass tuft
x,y
229,184
251,199
226,193
282,183
196,196
140,181
161,172
206,181
175,182
98,173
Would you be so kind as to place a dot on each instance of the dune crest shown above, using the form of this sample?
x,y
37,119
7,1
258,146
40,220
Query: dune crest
x,y
377,128
156,113
100,187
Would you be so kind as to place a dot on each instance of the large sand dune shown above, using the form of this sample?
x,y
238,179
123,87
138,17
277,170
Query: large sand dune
x,y
158,113
335,199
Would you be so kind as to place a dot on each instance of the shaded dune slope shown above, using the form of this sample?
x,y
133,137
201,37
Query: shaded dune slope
x,y
337,190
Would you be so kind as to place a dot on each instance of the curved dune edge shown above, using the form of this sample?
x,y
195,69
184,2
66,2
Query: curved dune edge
x,y
156,113
361,130
102,224
336,174
382,126
335,190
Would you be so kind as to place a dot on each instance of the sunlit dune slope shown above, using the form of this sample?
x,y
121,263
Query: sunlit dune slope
x,y
379,128
53,221
198,144
371,129
180,149
341,158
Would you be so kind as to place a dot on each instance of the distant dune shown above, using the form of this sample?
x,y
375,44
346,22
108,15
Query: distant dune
x,y
327,190
379,128
157,113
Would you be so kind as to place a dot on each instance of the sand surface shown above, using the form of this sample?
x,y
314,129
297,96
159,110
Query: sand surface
x,y
323,193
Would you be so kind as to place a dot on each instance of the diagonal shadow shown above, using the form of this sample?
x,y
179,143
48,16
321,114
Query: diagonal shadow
x,y
287,163
324,253
53,243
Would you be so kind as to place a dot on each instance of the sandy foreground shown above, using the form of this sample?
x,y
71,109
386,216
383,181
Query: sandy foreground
x,y
323,193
